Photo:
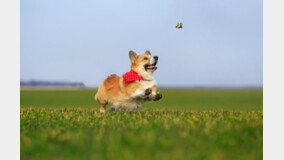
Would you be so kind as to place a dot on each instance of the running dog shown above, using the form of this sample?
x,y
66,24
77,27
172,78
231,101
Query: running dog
x,y
131,90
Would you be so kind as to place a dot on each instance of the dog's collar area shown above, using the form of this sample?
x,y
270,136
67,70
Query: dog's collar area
x,y
132,76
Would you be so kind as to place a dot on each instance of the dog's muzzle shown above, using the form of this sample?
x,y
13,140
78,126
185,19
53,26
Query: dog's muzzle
x,y
152,64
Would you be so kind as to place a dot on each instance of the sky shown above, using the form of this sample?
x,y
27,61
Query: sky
x,y
220,44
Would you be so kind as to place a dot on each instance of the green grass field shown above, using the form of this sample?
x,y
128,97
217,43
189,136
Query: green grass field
x,y
185,124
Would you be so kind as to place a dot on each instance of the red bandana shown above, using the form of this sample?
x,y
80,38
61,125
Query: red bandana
x,y
131,76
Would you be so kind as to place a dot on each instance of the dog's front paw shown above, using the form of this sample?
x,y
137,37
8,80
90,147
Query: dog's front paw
x,y
148,91
158,96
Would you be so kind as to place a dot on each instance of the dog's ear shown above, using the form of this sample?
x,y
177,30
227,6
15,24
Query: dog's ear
x,y
132,56
148,52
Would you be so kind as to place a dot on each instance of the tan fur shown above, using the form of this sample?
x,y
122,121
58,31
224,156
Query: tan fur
x,y
154,89
128,97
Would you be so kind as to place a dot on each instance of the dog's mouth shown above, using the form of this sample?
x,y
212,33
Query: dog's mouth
x,y
150,67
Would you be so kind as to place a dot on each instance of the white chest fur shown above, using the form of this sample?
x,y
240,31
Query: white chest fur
x,y
147,84
143,86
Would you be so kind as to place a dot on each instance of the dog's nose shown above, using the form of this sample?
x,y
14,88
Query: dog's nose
x,y
156,58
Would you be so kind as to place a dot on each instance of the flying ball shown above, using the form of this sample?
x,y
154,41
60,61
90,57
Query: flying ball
x,y
179,25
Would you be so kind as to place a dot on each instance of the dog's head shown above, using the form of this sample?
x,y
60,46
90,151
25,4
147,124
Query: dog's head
x,y
143,64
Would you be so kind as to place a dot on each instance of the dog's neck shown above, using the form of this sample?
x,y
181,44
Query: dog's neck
x,y
147,75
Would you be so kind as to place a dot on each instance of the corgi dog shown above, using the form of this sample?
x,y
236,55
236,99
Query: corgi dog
x,y
131,90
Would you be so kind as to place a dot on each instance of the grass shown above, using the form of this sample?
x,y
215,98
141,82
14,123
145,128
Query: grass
x,y
185,124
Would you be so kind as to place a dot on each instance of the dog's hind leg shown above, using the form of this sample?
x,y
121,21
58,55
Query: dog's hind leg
x,y
102,103
100,98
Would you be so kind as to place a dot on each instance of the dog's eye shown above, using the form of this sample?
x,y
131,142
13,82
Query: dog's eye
x,y
145,58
